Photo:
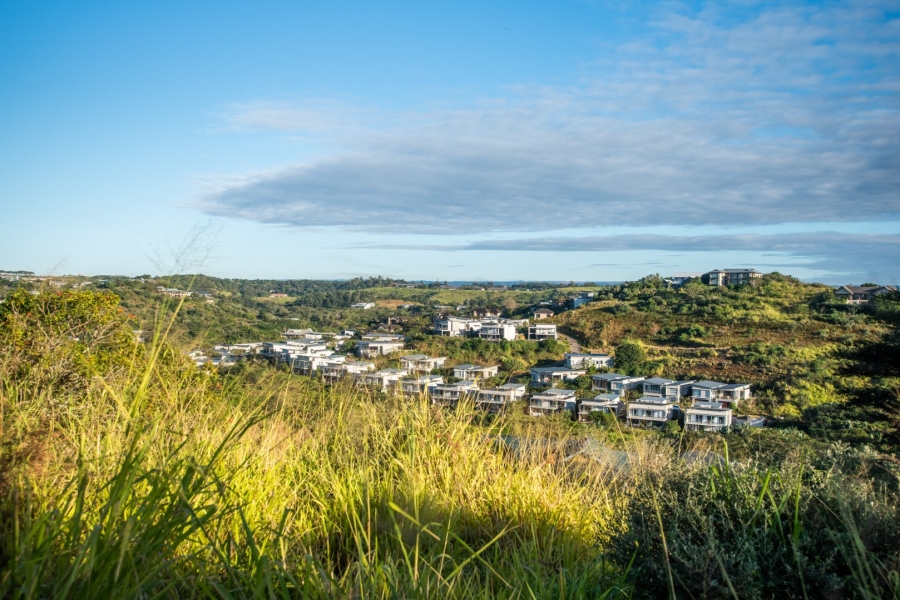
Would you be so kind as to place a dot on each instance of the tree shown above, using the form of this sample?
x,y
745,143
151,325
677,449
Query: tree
x,y
629,357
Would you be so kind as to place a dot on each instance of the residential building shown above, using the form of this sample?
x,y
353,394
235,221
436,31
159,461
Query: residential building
x,y
679,279
677,389
474,372
542,331
551,402
421,363
333,372
497,332
720,277
363,305
449,394
655,386
582,298
496,399
418,386
293,334
309,363
729,394
615,383
382,380
707,416
480,313
577,360
541,312
373,348
861,294
171,292
541,376
604,403
749,421
651,410
455,326
380,336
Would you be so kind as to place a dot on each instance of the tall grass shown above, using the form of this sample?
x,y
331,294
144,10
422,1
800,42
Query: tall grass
x,y
165,482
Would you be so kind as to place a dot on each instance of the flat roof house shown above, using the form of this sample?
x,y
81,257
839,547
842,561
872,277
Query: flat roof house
x,y
861,294
373,348
707,416
729,394
551,402
541,376
382,380
363,305
496,399
454,326
497,332
421,363
655,386
615,383
474,372
578,360
604,403
542,331
418,386
651,411
333,372
449,394
675,390
720,277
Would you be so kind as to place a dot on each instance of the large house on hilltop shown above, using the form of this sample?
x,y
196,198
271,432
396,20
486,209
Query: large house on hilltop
x,y
720,277
861,294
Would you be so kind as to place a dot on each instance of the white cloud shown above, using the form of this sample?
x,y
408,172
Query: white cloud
x,y
788,114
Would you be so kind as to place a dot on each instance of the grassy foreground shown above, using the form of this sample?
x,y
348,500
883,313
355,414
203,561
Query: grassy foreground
x,y
127,473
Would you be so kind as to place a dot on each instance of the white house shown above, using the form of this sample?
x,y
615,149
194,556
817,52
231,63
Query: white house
x,y
651,410
496,399
421,363
707,416
541,376
333,372
551,402
455,326
417,386
677,389
497,332
474,372
373,348
382,380
542,331
577,360
449,394
363,305
604,403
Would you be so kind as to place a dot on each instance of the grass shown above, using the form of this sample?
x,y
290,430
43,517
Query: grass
x,y
159,481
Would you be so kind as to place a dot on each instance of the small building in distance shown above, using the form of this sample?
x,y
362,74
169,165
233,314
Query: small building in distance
x,y
468,372
861,294
363,305
604,403
729,394
542,331
651,411
541,376
578,360
497,332
541,312
707,416
421,363
496,399
721,277
551,402
615,383
450,394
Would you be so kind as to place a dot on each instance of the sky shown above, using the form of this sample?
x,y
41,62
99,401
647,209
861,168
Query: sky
x,y
586,141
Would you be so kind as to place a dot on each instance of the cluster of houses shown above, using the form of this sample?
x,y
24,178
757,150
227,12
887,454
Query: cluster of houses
x,y
640,401
494,329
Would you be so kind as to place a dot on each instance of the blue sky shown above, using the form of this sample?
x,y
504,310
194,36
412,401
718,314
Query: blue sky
x,y
520,140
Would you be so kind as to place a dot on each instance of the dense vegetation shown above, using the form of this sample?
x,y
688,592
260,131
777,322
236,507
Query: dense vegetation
x,y
127,472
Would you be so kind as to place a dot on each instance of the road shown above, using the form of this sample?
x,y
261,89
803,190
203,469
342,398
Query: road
x,y
573,345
